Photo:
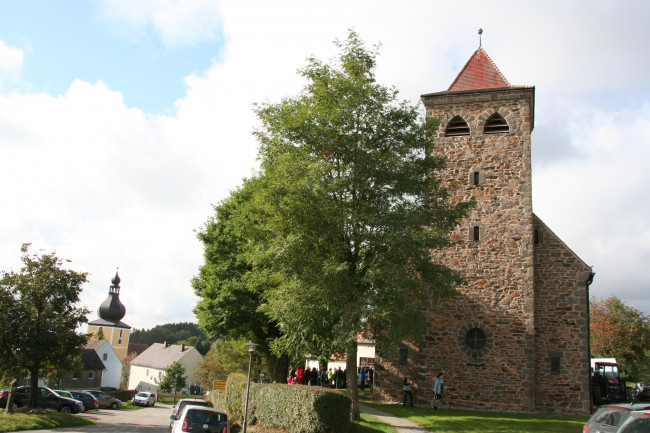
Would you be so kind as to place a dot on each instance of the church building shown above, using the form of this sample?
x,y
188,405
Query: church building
x,y
516,337
110,325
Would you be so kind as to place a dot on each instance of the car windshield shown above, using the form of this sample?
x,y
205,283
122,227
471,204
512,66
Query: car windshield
x,y
142,394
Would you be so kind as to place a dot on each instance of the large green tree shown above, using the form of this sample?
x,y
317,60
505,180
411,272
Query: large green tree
x,y
231,286
39,318
622,332
350,211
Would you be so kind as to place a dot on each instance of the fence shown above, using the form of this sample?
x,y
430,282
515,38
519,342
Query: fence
x,y
168,398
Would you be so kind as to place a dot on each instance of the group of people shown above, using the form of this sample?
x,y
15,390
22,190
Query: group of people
x,y
438,390
332,378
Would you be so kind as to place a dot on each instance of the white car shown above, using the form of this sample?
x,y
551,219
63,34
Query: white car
x,y
144,399
201,419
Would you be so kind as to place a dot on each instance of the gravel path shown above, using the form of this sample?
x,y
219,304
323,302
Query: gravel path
x,y
402,425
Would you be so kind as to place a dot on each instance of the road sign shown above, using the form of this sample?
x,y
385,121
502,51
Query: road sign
x,y
219,384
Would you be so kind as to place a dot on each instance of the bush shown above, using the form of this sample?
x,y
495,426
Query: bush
x,y
296,408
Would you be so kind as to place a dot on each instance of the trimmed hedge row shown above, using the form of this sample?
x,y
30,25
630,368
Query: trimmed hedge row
x,y
296,408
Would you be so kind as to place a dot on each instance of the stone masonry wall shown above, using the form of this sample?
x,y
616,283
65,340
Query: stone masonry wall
x,y
561,329
498,301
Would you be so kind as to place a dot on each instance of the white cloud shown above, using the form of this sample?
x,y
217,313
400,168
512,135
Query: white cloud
x,y
11,61
105,185
177,23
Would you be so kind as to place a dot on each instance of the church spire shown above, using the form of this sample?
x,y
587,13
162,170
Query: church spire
x,y
112,308
479,72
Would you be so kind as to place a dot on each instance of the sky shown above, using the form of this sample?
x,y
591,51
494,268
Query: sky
x,y
122,123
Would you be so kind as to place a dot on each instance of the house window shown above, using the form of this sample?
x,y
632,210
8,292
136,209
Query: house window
x,y
91,375
105,357
457,126
476,178
476,233
496,124
403,356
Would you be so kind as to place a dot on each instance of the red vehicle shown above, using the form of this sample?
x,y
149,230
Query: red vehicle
x,y
607,383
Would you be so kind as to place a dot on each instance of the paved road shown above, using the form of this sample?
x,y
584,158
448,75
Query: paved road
x,y
147,420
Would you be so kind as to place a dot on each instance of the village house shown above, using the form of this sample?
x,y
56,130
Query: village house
x,y
147,369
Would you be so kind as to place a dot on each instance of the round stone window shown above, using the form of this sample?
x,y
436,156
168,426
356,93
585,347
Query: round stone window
x,y
475,340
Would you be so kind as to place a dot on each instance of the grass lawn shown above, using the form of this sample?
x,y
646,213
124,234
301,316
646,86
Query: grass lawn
x,y
471,421
48,420
370,424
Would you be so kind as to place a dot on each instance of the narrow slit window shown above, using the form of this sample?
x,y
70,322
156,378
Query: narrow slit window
x,y
496,124
477,178
477,233
403,356
555,365
457,126
536,235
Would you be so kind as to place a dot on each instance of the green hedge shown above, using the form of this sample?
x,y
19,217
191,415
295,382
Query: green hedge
x,y
296,408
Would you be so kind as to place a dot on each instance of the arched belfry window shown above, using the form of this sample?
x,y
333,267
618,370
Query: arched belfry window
x,y
457,126
496,124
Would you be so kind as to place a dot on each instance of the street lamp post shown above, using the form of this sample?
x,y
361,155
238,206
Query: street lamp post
x,y
251,349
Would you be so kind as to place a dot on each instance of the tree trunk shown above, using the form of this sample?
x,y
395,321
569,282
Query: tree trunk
x,y
278,368
351,379
33,388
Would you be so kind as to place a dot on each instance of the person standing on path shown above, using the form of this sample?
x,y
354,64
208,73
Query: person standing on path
x,y
407,390
438,389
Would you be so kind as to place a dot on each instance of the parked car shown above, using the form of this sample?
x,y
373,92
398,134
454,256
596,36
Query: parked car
x,y
88,400
180,404
4,397
642,391
608,419
48,399
104,400
637,422
144,398
201,418
67,394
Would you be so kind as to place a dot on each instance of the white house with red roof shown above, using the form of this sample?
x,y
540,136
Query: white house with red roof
x,y
147,369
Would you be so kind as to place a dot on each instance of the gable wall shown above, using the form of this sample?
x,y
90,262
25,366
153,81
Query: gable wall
x,y
561,326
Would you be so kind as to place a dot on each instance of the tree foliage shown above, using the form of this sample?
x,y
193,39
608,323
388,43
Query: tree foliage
x,y
173,333
334,236
231,288
227,357
174,379
622,332
39,318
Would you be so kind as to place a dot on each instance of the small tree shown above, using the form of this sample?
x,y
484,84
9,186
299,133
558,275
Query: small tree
x,y
173,380
39,318
126,370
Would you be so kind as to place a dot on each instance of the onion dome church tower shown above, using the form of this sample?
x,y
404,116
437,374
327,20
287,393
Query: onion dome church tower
x,y
109,326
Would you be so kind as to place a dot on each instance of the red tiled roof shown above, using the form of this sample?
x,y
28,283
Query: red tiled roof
x,y
479,72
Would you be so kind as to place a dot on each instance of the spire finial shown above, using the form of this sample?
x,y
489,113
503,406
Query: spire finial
x,y
480,32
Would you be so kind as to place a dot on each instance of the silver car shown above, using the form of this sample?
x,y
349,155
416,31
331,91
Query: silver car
x,y
608,419
144,398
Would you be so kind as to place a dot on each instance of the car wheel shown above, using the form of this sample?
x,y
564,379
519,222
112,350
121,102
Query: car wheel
x,y
113,405
65,409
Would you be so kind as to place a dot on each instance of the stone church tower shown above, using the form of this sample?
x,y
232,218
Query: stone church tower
x,y
516,336
111,313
